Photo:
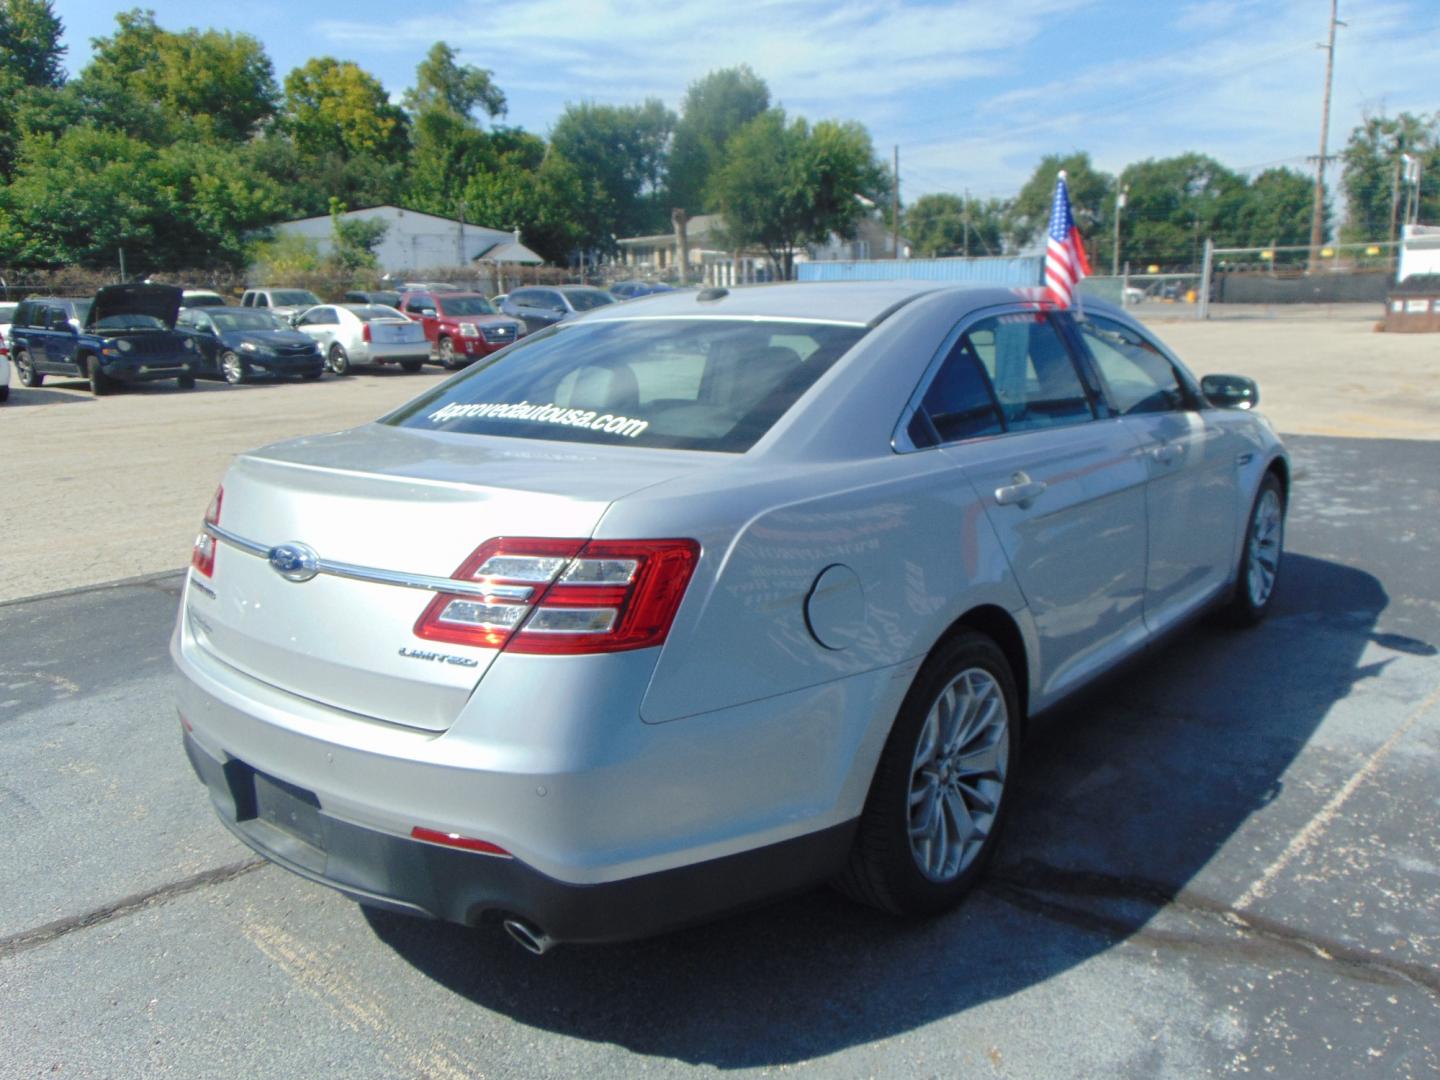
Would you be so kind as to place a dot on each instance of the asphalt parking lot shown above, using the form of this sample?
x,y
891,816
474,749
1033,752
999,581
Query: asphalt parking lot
x,y
1225,860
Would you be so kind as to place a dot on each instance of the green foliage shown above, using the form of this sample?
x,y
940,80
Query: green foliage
x,y
163,86
442,84
1092,200
30,49
1276,209
785,184
337,107
945,225
1175,203
618,154
354,240
1371,166
287,257
715,108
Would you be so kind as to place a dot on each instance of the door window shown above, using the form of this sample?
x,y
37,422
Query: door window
x,y
958,404
322,316
1137,376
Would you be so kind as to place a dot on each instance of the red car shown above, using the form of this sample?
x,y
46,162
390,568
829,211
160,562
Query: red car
x,y
460,326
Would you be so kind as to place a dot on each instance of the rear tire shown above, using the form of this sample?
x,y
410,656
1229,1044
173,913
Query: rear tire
x,y
411,365
1260,556
100,383
448,357
939,796
338,360
25,368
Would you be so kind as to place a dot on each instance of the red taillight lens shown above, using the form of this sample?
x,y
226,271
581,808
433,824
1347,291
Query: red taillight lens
x,y
562,597
450,839
202,558
365,332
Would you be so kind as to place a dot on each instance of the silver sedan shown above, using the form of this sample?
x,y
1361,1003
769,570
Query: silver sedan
x,y
706,597
359,334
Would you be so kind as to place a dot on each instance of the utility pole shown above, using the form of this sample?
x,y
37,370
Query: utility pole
x,y
1317,217
895,204
1115,249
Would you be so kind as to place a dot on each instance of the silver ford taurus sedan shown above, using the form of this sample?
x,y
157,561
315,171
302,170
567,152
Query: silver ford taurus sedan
x,y
708,597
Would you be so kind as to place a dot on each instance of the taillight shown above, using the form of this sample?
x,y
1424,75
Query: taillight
x,y
365,332
202,558
561,597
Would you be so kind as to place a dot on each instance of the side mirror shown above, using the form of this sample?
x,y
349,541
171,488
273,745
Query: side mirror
x,y
428,312
1230,391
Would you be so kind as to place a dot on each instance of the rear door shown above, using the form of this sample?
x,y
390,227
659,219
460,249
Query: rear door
x,y
322,324
1060,482
1192,462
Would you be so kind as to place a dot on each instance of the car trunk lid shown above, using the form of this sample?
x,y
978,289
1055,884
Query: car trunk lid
x,y
379,506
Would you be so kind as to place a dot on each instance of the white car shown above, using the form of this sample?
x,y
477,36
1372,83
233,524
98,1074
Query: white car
x,y
351,334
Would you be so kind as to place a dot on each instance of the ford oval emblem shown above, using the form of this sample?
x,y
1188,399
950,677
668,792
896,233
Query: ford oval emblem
x,y
295,562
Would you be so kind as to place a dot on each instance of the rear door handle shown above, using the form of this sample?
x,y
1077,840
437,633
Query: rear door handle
x,y
1165,453
1021,491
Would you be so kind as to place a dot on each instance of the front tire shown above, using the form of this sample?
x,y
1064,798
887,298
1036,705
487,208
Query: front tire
x,y
100,383
937,802
1260,557
185,382
338,360
411,366
25,368
232,368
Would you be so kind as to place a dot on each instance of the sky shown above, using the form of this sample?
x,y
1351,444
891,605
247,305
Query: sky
x,y
973,92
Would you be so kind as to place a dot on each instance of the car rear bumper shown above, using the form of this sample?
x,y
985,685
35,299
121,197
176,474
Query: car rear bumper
x,y
385,352
425,879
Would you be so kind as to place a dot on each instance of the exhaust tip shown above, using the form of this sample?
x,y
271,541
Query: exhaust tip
x,y
530,938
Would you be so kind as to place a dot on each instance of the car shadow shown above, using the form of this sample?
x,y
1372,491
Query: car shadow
x,y
25,396
1126,795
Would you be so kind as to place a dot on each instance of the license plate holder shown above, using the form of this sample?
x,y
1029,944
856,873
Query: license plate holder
x,y
290,809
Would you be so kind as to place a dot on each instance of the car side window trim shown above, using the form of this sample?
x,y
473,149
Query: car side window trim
x,y
901,441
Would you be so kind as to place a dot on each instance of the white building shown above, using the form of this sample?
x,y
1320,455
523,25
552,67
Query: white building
x,y
414,241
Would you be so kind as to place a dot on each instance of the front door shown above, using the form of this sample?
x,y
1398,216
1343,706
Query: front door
x,y
1065,493
1191,461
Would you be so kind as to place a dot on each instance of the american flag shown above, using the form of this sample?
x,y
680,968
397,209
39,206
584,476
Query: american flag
x,y
1065,262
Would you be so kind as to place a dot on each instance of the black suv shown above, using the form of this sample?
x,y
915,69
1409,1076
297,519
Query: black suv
x,y
125,334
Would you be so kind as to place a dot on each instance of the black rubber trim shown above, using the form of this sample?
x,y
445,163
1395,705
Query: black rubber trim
x,y
424,879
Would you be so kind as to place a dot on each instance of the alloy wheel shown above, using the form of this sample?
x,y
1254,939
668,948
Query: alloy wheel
x,y
1263,556
957,774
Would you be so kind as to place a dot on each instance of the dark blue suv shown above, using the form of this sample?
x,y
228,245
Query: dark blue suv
x,y
125,334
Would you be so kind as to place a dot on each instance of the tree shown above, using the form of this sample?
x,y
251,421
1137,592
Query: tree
x,y
1092,200
1276,209
619,151
162,86
30,49
1372,163
441,83
715,108
337,107
785,184
355,239
1175,204
943,224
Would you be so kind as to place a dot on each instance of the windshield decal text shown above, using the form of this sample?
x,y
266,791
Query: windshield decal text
x,y
543,414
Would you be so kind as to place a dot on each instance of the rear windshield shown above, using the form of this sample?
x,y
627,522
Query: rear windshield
x,y
247,320
585,299
683,384
203,300
465,305
293,297
371,312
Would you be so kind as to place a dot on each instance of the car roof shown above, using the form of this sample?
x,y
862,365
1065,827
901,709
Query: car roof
x,y
857,303
227,309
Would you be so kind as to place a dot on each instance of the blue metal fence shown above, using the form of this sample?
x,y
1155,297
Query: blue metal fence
x,y
1021,270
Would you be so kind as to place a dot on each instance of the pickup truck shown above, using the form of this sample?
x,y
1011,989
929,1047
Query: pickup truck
x,y
278,301
125,334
